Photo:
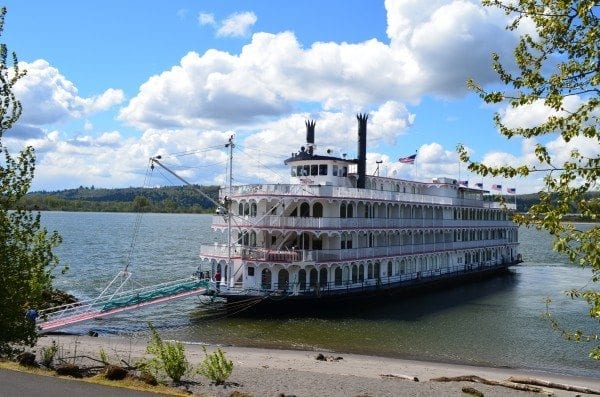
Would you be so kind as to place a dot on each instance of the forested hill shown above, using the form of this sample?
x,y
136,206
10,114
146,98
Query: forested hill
x,y
133,199
185,199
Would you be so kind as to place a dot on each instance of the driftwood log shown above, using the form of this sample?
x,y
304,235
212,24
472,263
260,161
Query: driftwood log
x,y
399,376
478,379
552,385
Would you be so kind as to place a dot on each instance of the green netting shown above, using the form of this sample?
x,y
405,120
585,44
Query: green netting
x,y
161,292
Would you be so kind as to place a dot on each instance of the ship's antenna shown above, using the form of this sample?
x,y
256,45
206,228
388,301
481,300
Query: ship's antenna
x,y
228,201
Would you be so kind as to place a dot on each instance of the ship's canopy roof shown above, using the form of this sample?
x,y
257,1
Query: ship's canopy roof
x,y
305,155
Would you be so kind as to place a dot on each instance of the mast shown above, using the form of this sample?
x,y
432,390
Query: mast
x,y
228,202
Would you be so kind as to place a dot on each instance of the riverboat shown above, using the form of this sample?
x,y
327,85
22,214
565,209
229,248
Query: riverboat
x,y
334,234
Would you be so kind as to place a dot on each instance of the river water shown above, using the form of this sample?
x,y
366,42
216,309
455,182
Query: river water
x,y
497,322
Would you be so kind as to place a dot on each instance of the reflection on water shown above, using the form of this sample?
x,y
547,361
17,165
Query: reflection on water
x,y
497,322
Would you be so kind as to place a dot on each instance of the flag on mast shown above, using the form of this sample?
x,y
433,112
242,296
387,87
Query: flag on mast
x,y
479,185
408,159
511,190
464,183
497,187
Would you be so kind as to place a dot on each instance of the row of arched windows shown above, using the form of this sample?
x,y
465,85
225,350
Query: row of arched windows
x,y
385,211
353,273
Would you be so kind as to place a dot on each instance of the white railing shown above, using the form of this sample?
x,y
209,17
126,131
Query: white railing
x,y
288,256
287,222
353,193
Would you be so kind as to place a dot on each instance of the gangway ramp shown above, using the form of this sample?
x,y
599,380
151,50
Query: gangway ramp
x,y
106,305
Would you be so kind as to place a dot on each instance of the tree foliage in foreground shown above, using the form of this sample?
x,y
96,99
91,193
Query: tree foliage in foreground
x,y
26,257
558,66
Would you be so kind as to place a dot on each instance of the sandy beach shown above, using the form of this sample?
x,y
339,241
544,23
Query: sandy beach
x,y
270,372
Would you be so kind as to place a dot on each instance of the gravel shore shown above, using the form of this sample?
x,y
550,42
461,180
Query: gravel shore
x,y
270,372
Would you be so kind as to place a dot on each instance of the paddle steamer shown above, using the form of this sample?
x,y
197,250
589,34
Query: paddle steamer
x,y
334,234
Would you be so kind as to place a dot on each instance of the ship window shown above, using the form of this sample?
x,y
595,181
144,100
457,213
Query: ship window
x,y
323,277
314,170
250,271
304,210
322,169
335,170
302,279
313,277
298,170
317,244
338,276
344,171
345,241
306,170
266,279
318,210
361,273
293,171
283,280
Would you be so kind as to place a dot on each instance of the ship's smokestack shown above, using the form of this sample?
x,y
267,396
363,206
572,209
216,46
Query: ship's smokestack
x,y
310,134
362,150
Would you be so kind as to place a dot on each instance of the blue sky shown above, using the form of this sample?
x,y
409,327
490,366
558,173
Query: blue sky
x,y
111,83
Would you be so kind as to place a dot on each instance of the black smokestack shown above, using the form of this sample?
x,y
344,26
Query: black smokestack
x,y
362,150
310,135
310,131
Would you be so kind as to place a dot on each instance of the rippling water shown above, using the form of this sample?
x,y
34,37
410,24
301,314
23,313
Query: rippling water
x,y
495,322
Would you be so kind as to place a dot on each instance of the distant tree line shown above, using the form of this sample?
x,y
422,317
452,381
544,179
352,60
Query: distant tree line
x,y
172,199
182,199
526,201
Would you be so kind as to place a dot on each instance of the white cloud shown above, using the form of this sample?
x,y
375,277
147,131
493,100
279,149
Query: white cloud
x,y
48,97
111,160
237,25
270,73
527,116
391,120
434,47
202,92
206,19
447,42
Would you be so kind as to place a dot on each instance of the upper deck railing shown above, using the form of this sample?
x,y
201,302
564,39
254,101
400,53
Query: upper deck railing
x,y
353,193
326,223
220,251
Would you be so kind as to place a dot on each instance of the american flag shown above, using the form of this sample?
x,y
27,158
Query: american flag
x,y
464,183
408,159
479,185
497,187
511,190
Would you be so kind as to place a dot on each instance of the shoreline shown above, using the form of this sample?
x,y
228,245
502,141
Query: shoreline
x,y
269,372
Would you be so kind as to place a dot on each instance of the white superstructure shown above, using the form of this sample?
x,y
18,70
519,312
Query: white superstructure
x,y
334,230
